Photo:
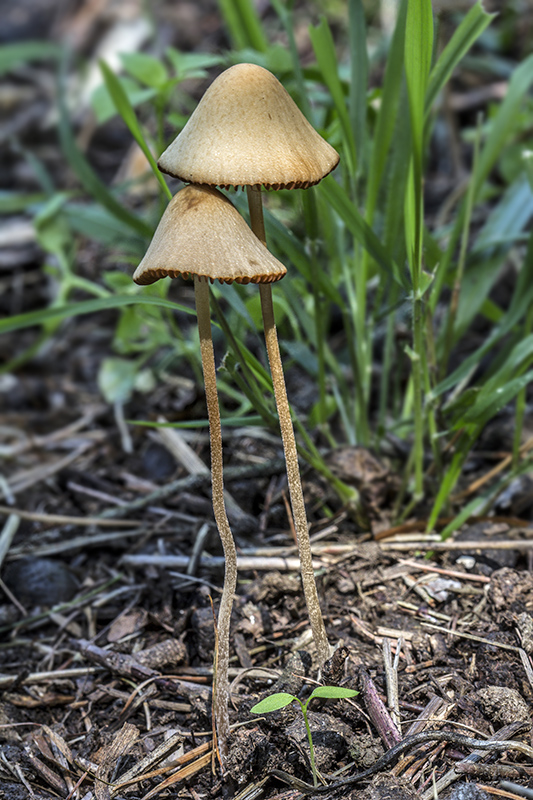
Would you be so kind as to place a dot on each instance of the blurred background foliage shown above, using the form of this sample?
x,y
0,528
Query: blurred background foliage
x,y
406,315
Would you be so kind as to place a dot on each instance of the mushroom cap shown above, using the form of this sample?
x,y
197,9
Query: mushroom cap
x,y
248,131
202,233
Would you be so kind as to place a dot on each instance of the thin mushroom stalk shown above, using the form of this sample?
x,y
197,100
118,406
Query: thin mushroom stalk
x,y
220,676
202,234
289,443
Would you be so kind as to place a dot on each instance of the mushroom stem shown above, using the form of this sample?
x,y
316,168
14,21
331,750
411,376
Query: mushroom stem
x,y
289,444
220,678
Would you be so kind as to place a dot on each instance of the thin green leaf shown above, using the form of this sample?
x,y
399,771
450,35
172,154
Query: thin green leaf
x,y
449,480
418,53
252,421
508,219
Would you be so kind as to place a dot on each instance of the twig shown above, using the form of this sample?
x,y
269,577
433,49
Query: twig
x,y
526,663
82,542
391,677
44,442
516,789
63,519
27,478
122,663
474,638
504,463
194,482
391,756
452,774
389,733
485,544
493,771
217,562
8,533
451,573
7,681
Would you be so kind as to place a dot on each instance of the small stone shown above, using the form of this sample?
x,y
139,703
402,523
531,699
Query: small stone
x,y
40,582
502,705
511,591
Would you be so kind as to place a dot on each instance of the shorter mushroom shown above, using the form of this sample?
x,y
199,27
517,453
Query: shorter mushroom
x,y
248,131
202,235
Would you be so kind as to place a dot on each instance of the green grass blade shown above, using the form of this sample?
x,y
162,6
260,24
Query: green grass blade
x,y
502,129
284,13
324,47
521,302
363,233
33,318
243,24
490,401
125,109
506,121
449,480
90,181
358,76
388,112
13,55
462,40
14,202
418,53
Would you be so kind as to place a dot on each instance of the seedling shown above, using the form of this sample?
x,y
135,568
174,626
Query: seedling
x,y
282,699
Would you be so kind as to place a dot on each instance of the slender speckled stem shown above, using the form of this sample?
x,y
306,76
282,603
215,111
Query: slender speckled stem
x,y
220,677
289,444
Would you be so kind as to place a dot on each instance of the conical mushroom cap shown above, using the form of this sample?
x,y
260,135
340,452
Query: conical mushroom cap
x,y
248,131
202,233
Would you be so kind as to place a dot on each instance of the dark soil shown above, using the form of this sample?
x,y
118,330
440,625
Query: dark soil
x,y
109,584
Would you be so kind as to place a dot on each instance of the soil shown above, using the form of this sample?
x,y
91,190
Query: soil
x,y
112,567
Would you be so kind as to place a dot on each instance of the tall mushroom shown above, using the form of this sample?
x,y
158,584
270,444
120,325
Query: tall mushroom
x,y
202,235
247,131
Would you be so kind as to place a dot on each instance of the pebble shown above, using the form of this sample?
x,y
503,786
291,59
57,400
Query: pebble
x,y
40,582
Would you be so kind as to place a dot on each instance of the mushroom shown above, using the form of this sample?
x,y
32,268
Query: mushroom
x,y
202,235
247,131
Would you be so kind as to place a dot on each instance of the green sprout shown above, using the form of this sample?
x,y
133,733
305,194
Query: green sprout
x,y
281,699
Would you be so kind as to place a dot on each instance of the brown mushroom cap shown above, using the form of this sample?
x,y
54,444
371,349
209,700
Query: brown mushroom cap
x,y
202,233
248,131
